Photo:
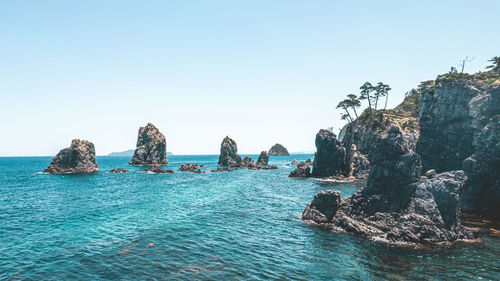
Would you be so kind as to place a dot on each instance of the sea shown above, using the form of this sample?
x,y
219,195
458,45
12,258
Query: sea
x,y
240,225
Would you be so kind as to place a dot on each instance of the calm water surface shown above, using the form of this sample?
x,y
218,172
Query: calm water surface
x,y
243,225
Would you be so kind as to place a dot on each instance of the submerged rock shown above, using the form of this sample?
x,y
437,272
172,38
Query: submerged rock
x,y
278,150
302,171
156,169
330,155
76,159
268,167
229,153
397,206
119,170
151,147
222,169
193,168
263,158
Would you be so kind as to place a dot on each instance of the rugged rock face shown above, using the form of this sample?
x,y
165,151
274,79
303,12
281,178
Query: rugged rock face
x,y
397,206
76,159
457,120
151,147
330,155
193,168
156,169
357,164
247,162
229,153
119,170
263,158
302,171
482,189
278,150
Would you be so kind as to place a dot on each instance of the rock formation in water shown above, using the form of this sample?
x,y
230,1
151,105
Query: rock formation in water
x,y
278,150
193,168
263,158
457,123
222,169
151,147
76,159
267,167
302,171
295,162
330,155
397,206
119,170
229,153
156,169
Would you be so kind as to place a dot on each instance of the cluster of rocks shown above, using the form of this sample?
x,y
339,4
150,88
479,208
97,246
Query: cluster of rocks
x,y
398,205
157,169
229,157
192,168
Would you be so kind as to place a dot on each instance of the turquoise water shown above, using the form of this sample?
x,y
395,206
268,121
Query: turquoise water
x,y
243,225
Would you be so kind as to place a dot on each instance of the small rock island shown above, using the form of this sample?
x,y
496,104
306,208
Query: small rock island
x,y
79,158
229,153
151,147
278,150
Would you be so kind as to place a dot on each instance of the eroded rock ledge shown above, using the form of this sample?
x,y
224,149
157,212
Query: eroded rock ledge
x,y
76,159
397,206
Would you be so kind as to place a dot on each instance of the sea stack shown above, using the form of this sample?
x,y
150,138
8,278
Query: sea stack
x,y
151,147
278,150
330,155
77,159
397,205
229,153
263,158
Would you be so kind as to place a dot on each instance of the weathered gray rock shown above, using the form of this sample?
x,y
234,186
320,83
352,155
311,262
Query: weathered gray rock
x,y
263,158
323,206
76,159
302,171
457,130
229,153
330,155
151,147
357,164
157,169
119,170
247,162
398,206
278,150
193,168
482,188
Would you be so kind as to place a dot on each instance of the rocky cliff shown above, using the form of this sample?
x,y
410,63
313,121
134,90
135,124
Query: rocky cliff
x,y
278,150
397,206
458,122
229,153
78,158
151,147
330,155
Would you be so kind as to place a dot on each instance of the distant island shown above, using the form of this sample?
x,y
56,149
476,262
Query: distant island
x,y
129,152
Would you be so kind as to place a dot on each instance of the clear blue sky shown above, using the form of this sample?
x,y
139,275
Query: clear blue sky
x,y
259,71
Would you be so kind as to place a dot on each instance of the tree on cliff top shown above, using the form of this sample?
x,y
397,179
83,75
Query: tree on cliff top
x,y
366,89
495,66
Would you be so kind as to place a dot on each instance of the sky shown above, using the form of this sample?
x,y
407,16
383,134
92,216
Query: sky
x,y
261,72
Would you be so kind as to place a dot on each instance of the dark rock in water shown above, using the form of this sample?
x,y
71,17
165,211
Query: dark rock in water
x,y
229,153
263,158
193,168
330,155
247,162
323,206
398,206
309,162
278,150
221,169
156,169
302,171
268,167
119,170
151,147
457,130
76,159
357,165
295,162
482,188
